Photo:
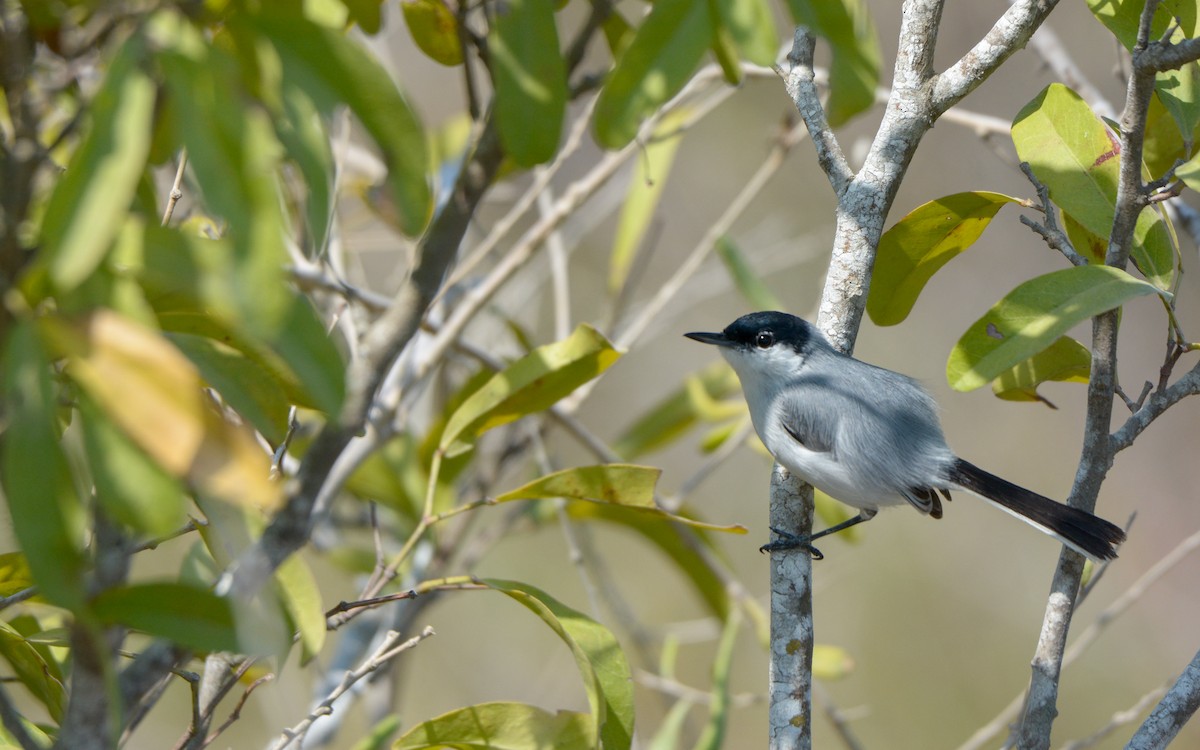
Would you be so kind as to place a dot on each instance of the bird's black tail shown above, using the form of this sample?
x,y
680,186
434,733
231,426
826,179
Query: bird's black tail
x,y
1087,534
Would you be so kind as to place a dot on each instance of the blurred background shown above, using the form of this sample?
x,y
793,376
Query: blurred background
x,y
940,618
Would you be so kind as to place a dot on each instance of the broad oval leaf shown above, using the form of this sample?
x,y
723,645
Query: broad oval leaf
x,y
1066,360
530,77
750,26
1078,160
1189,172
187,615
1033,316
848,27
623,485
434,29
90,201
664,51
531,384
47,516
505,726
917,246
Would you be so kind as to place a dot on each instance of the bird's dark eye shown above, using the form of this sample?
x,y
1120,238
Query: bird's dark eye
x,y
764,340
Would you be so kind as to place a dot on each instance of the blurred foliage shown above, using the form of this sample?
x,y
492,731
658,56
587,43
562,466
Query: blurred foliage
x,y
165,372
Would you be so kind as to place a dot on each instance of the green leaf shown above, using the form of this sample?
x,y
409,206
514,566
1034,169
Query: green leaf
x,y
90,201
831,662
1066,360
379,735
503,726
670,730
1089,245
366,13
657,63
133,489
1033,316
301,599
187,615
668,538
1189,172
854,74
750,26
46,514
302,132
1078,160
598,656
1163,144
917,246
32,671
1178,89
14,573
251,389
624,485
434,29
335,70
719,704
748,283
677,413
533,383
531,79
183,277
650,173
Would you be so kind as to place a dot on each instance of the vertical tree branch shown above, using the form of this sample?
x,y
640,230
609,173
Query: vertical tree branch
x,y
1096,456
790,676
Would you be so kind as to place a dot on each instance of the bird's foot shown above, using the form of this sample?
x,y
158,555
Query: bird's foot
x,y
789,541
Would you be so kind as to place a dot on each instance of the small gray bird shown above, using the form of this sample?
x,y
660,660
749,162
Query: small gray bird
x,y
868,436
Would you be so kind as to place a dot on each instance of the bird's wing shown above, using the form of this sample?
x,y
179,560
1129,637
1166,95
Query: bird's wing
x,y
799,421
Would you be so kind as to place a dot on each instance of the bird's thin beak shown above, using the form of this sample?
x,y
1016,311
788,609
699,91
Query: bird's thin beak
x,y
717,339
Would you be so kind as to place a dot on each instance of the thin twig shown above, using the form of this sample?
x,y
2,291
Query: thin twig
x,y
390,648
176,188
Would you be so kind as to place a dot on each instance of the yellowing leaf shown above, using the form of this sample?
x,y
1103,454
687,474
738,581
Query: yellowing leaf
x,y
434,28
531,384
153,393
831,662
1066,360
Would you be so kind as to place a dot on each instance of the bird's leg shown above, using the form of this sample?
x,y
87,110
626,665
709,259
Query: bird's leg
x,y
788,541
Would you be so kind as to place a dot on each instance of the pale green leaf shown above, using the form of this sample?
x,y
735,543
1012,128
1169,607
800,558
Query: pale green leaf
x,y
650,172
186,615
659,60
502,726
380,735
744,278
831,662
750,26
1033,316
47,516
1189,172
32,671
1078,159
301,599
90,201
713,735
1066,360
917,246
530,77
848,27
531,384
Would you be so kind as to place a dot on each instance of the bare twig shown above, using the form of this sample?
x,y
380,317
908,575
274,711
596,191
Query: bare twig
x,y
176,188
391,647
